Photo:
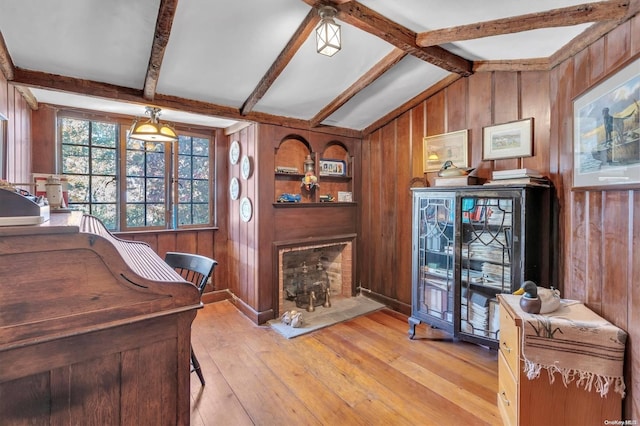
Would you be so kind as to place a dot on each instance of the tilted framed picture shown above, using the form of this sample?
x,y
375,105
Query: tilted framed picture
x,y
508,140
606,132
439,149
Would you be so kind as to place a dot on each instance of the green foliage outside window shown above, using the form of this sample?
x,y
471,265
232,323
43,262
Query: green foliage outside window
x,y
146,190
193,181
89,159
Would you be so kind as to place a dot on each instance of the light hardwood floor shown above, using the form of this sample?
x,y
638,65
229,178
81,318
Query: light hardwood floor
x,y
364,371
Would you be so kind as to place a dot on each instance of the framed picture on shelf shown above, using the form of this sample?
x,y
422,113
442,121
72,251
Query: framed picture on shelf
x,y
345,196
606,132
450,146
333,168
508,140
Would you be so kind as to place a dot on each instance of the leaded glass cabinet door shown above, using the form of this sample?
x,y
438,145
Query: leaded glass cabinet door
x,y
433,259
489,253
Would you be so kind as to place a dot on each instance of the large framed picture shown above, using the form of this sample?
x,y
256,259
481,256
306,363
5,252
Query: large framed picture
x,y
450,146
606,132
508,140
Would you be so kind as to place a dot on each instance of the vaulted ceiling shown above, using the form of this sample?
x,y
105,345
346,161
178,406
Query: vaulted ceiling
x,y
217,63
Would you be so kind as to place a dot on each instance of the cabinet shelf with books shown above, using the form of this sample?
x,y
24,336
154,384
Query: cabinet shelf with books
x,y
469,245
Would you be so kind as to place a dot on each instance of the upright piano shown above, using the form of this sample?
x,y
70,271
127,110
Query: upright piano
x,y
93,329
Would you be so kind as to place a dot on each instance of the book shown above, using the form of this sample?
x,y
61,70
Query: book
x,y
520,181
524,170
465,180
516,173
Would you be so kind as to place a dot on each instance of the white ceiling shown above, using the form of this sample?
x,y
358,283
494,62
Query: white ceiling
x,y
218,52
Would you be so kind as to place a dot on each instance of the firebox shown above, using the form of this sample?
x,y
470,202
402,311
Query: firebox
x,y
310,288
313,274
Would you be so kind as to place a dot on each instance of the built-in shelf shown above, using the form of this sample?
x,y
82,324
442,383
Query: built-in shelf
x,y
332,178
295,153
287,176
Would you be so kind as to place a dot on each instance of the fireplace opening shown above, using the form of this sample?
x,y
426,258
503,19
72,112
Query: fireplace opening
x,y
312,276
310,288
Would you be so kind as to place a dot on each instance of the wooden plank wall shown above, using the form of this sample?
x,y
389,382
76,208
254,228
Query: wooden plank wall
x,y
392,158
242,243
13,107
599,231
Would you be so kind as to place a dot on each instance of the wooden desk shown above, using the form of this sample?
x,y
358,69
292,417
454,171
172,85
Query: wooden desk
x,y
93,329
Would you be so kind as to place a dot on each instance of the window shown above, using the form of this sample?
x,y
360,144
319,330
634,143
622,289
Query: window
x,y
89,159
163,185
194,204
146,192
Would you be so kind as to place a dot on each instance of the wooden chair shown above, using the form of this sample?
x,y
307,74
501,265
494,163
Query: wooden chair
x,y
197,269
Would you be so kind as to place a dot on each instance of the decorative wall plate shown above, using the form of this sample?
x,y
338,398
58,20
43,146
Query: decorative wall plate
x,y
246,209
234,188
246,167
234,152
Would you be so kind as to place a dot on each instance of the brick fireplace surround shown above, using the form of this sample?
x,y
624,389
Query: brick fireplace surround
x,y
335,255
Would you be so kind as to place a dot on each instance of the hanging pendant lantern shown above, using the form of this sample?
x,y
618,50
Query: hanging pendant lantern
x,y
328,37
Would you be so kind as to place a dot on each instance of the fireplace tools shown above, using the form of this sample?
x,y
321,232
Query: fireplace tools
x,y
311,288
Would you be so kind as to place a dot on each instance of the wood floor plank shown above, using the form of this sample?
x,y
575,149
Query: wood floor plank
x,y
480,356
479,407
265,398
292,367
365,371
480,359
436,357
396,387
215,403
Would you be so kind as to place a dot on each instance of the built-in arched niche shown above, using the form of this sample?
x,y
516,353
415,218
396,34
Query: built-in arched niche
x,y
290,156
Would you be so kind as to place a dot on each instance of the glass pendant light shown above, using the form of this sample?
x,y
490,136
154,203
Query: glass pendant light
x,y
152,130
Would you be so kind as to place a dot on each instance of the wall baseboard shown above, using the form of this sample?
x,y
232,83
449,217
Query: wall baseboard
x,y
393,304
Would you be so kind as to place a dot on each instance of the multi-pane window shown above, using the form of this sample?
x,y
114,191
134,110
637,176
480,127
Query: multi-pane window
x,y
89,160
146,194
193,181
161,184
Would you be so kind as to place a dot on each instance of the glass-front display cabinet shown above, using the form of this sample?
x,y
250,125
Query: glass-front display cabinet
x,y
470,244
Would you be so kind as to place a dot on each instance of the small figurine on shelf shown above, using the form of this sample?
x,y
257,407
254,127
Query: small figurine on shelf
x,y
310,180
449,169
289,198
